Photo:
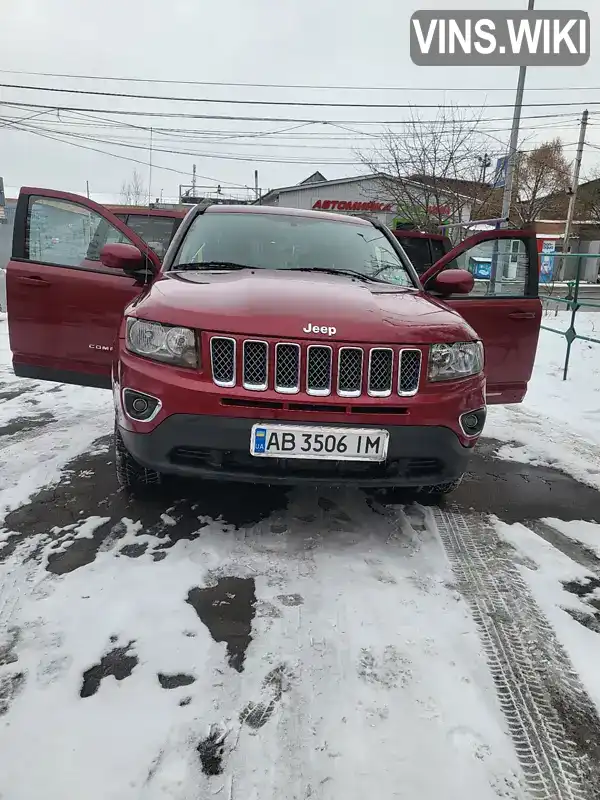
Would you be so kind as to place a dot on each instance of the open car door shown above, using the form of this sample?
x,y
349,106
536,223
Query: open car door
x,y
504,306
64,305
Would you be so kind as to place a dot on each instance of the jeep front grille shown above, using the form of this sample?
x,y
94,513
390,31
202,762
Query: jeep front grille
x,y
287,368
350,370
222,359
381,362
256,365
409,372
317,369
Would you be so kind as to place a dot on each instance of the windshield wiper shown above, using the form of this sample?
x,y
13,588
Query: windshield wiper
x,y
353,273
211,265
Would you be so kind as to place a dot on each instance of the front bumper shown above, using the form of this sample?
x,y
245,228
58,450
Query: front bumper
x,y
218,448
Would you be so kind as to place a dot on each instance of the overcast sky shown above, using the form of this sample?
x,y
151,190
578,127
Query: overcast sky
x,y
316,42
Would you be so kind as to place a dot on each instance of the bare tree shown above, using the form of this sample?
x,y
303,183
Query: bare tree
x,y
542,178
432,169
133,191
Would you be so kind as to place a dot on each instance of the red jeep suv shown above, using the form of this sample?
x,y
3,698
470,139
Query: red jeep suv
x,y
274,344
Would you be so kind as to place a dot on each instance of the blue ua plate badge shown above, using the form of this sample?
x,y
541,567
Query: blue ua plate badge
x,y
260,440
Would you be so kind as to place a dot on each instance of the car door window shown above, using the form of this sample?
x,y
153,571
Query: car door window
x,y
156,231
417,249
67,234
437,249
500,267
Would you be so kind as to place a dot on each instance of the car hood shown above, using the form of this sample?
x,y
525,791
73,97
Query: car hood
x,y
284,304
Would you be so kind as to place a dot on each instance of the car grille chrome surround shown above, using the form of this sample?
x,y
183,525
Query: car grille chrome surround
x,y
409,371
255,365
350,371
222,360
287,368
381,368
319,363
320,370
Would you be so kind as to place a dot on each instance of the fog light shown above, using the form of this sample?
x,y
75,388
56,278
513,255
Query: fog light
x,y
140,407
472,422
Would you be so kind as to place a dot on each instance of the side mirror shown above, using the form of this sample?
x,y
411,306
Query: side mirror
x,y
122,256
451,281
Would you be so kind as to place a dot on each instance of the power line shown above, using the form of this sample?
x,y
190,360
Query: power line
x,y
195,154
296,103
122,158
167,81
208,135
239,118
192,137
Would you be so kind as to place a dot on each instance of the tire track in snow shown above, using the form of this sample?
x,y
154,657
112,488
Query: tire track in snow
x,y
552,720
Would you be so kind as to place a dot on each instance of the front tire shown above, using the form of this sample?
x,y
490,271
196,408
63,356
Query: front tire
x,y
131,475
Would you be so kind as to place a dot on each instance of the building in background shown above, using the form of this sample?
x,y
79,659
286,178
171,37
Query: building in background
x,y
362,194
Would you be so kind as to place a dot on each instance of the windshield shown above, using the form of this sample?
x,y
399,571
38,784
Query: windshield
x,y
273,241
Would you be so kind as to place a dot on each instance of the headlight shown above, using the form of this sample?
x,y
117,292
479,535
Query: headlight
x,y
173,345
452,361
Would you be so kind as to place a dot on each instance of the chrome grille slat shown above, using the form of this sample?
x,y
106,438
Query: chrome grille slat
x,y
319,360
381,365
409,372
287,368
222,360
360,370
350,371
255,365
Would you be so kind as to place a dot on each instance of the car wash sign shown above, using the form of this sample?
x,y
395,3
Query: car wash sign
x,y
352,205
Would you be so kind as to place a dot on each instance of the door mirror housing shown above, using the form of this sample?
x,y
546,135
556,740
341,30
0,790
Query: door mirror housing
x,y
122,256
451,281
129,259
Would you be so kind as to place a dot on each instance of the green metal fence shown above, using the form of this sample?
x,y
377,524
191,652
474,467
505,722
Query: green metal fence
x,y
573,304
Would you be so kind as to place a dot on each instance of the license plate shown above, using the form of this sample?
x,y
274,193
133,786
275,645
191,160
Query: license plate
x,y
332,444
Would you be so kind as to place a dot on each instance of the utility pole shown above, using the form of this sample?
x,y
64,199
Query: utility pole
x,y
87,188
194,181
150,169
256,190
574,187
514,139
500,247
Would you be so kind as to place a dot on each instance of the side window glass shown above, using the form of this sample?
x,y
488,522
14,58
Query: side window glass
x,y
67,234
417,249
500,268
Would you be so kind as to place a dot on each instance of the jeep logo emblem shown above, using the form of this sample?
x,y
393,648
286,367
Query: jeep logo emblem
x,y
310,328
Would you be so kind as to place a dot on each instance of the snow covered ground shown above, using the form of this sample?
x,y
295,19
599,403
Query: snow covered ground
x,y
333,647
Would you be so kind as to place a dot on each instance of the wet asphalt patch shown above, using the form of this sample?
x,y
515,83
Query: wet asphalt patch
x,y
175,681
8,647
227,609
89,486
211,751
10,686
119,663
26,424
10,394
517,492
574,550
511,491
586,589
